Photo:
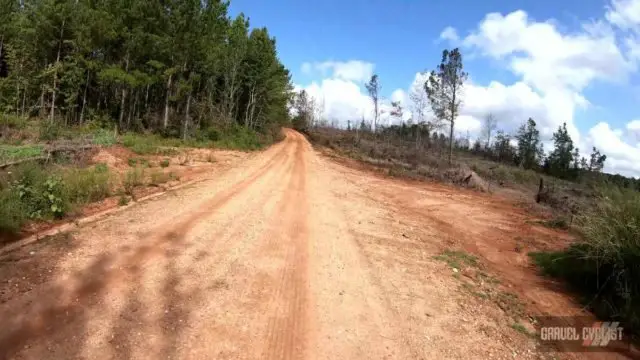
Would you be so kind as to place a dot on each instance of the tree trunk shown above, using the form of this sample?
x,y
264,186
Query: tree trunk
x,y
55,75
186,117
24,100
166,103
124,93
84,99
451,143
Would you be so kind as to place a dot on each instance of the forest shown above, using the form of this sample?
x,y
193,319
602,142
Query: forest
x,y
171,67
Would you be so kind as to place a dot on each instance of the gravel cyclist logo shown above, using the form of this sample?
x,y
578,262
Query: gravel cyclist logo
x,y
579,334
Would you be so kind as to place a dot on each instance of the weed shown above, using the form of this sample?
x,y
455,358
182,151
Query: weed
x,y
132,162
456,259
132,179
104,137
159,177
10,153
510,303
556,223
84,186
123,200
603,266
164,163
521,329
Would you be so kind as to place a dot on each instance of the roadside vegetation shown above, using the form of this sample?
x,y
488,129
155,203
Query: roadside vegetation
x,y
564,184
75,77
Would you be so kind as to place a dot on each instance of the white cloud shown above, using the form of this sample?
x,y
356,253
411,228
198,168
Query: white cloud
x,y
353,70
554,67
621,157
449,34
634,125
340,96
625,14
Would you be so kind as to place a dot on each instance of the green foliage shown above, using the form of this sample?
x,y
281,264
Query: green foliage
x,y
456,259
240,138
132,179
138,65
104,137
123,200
164,163
560,160
604,266
530,151
13,153
33,192
132,162
88,185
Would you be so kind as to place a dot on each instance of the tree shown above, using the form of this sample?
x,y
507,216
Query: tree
x,y
444,88
502,148
489,125
420,109
303,105
373,88
596,161
529,150
561,158
175,67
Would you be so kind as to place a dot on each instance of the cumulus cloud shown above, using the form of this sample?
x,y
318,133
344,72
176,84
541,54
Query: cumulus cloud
x,y
449,34
353,70
622,157
554,67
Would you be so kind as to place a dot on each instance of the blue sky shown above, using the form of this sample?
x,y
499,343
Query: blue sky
x,y
531,58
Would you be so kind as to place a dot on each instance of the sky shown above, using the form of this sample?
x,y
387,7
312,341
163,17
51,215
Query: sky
x,y
573,62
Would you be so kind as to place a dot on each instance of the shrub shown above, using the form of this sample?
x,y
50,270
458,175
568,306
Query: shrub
x,y
104,137
12,211
164,163
604,265
132,162
158,177
87,185
132,179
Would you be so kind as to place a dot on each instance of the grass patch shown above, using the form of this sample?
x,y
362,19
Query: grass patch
x,y
33,192
522,329
10,153
123,200
603,267
456,259
159,177
88,185
132,179
556,223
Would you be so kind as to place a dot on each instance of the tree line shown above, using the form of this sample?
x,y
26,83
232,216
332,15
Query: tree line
x,y
171,66
435,106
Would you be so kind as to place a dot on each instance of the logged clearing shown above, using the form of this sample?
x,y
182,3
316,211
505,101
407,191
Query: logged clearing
x,y
288,255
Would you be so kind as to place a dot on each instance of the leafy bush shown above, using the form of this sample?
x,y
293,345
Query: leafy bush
x,y
604,265
164,163
104,137
240,138
8,121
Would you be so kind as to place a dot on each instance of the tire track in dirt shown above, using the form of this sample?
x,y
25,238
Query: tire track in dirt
x,y
286,329
106,273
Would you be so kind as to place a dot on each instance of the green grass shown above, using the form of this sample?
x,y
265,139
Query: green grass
x,y
603,266
10,153
87,185
521,329
132,179
456,259
33,192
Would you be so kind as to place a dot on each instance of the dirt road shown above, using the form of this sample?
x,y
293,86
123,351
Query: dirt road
x,y
288,256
